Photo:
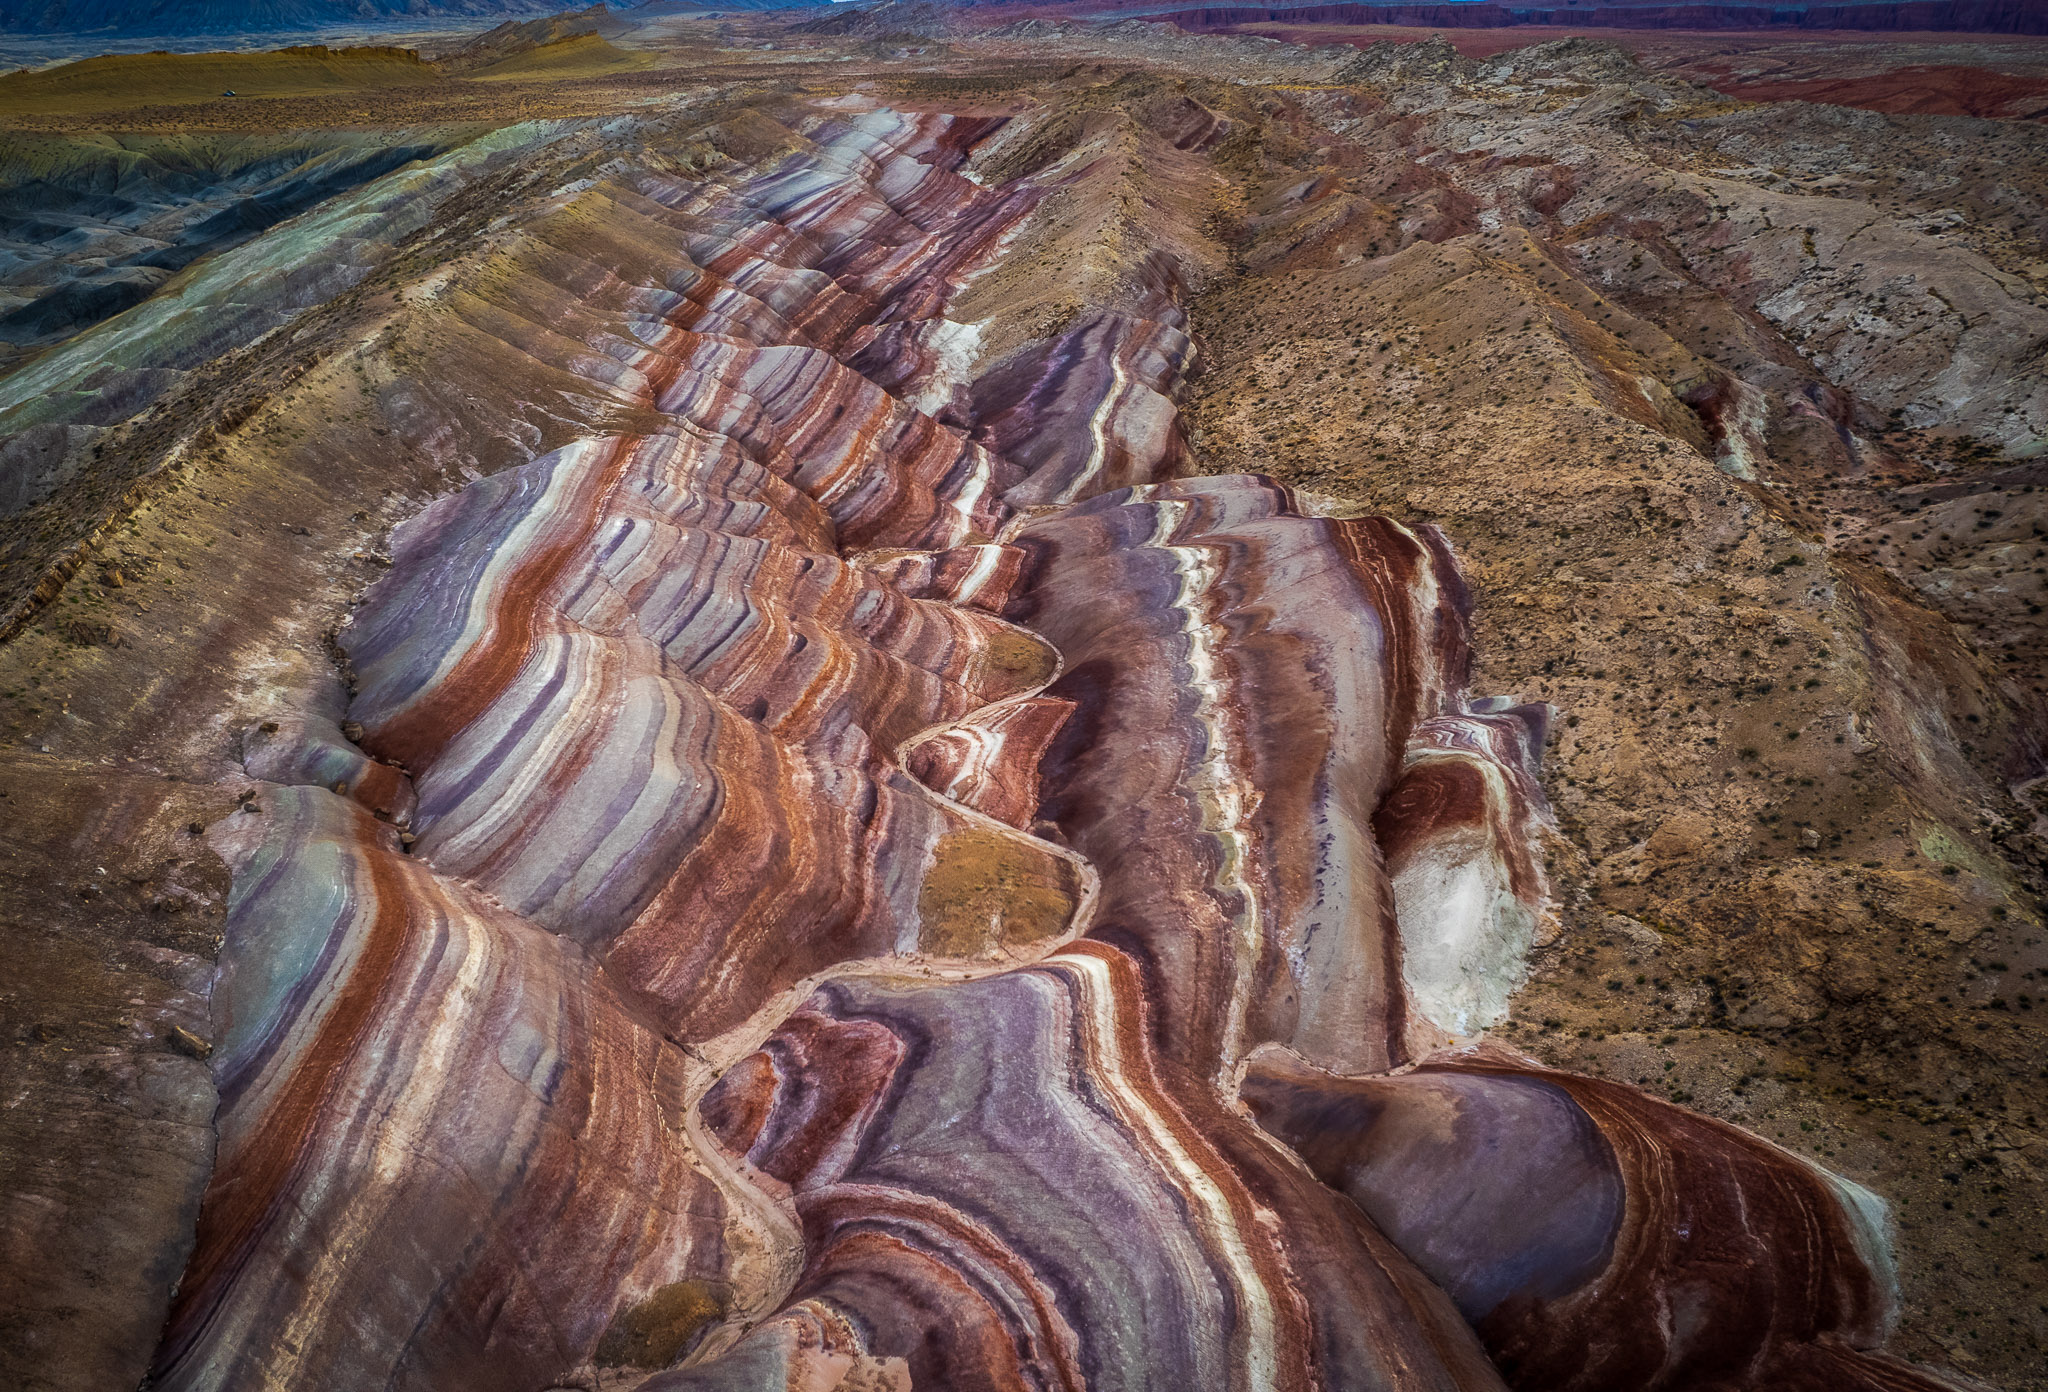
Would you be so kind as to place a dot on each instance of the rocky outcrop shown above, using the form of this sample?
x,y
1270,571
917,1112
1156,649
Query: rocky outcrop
x,y
793,826
1002,1184
435,1117
816,869
1246,679
1596,1237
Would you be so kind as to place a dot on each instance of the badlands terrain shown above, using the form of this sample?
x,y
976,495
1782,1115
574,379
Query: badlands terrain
x,y
860,700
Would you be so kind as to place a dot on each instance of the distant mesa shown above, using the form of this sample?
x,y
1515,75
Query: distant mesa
x,y
523,36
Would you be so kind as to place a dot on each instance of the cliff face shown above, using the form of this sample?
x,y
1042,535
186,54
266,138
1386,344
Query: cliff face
x,y
842,734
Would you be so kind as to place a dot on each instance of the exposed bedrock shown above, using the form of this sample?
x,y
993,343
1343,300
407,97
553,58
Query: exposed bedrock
x,y
90,227
1595,1236
660,719
1247,679
439,1126
823,861
1001,1185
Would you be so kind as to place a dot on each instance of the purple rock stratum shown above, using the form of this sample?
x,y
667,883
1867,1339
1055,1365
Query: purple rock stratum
x,y
1052,711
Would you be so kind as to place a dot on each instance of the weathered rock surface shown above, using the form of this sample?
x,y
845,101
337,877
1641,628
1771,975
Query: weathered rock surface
x,y
653,711
1597,1237
791,828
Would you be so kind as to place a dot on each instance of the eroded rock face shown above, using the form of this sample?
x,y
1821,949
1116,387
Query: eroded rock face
x,y
736,693
1598,1237
1246,678
839,866
1002,1185
438,1125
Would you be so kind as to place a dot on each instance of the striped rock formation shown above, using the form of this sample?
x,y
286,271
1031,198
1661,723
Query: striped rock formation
x,y
1246,678
1596,1236
806,865
439,1126
1002,1185
646,706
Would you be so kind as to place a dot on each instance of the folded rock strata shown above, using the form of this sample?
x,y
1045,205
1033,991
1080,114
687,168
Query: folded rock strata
x,y
659,720
1459,831
883,748
1246,678
1596,1236
1001,1186
439,1127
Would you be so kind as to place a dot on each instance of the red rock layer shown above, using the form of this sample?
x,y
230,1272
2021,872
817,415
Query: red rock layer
x,y
1923,89
1002,1187
440,1130
660,719
1597,1237
989,760
1974,16
1035,1179
637,717
746,713
1246,678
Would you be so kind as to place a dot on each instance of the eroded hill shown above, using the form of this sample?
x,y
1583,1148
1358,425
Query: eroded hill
x,y
1071,708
